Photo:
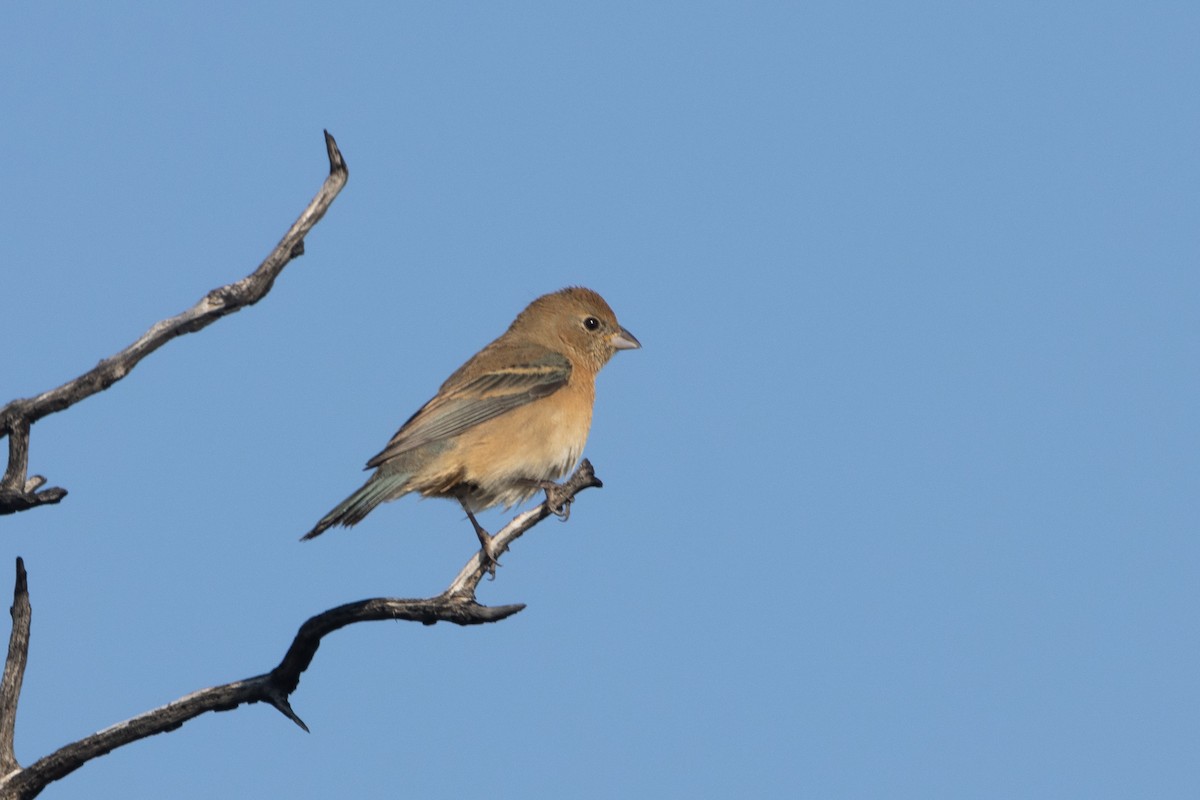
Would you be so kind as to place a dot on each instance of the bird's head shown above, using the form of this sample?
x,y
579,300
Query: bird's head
x,y
581,321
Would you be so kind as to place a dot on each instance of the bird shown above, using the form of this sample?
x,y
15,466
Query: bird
x,y
509,422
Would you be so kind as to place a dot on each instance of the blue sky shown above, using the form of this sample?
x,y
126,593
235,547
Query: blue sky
x,y
901,495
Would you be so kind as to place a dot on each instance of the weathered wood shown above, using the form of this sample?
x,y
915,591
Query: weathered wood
x,y
16,418
456,604
14,669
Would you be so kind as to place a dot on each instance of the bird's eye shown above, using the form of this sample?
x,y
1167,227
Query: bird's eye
x,y
591,323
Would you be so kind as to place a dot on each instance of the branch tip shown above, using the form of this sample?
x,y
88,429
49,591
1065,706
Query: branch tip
x,y
336,162
586,476
281,704
504,612
17,493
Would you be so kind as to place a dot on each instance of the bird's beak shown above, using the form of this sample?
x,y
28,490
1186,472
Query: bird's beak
x,y
624,340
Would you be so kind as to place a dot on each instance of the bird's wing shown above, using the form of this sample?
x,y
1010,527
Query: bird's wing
x,y
463,403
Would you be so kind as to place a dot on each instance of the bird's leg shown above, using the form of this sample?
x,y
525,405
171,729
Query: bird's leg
x,y
490,556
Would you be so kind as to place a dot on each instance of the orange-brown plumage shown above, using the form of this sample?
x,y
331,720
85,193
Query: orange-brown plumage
x,y
513,417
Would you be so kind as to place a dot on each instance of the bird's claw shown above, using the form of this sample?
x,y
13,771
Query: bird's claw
x,y
558,501
563,512
491,557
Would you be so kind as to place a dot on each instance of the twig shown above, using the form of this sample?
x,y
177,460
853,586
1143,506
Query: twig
x,y
456,604
18,493
468,579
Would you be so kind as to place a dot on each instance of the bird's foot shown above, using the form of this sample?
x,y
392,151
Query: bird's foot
x,y
557,499
491,554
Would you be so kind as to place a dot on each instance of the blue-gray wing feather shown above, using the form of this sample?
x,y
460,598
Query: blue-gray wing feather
x,y
537,373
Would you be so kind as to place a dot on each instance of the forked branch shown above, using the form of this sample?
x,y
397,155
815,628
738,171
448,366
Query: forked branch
x,y
456,604
19,492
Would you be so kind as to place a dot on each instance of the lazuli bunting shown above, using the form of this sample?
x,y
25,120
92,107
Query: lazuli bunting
x,y
507,423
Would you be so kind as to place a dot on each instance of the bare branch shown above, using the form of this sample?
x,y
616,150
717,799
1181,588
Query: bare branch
x,y
17,417
23,493
456,604
468,579
14,670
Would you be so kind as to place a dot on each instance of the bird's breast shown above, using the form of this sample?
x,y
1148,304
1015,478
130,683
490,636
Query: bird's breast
x,y
538,441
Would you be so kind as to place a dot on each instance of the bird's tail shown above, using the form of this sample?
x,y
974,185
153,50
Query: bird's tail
x,y
378,489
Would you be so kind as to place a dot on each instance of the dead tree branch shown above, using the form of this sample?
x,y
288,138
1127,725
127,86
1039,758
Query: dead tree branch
x,y
456,604
17,492
14,671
